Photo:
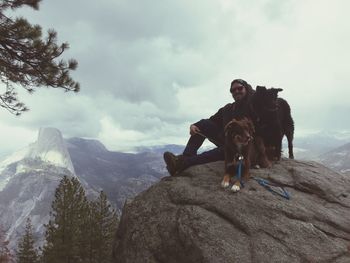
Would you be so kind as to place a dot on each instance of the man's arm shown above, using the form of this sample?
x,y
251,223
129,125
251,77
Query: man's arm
x,y
194,129
217,118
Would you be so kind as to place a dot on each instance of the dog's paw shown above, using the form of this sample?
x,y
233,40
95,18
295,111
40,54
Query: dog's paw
x,y
225,182
235,188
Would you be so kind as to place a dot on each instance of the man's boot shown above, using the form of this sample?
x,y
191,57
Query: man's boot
x,y
175,164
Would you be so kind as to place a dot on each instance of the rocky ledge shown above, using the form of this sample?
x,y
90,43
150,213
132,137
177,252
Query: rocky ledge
x,y
192,219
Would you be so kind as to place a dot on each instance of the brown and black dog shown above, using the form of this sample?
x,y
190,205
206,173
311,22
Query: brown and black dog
x,y
239,143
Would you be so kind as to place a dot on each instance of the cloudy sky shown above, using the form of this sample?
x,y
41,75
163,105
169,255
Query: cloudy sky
x,y
149,68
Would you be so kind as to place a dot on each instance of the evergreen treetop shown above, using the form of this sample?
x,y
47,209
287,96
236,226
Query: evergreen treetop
x,y
79,230
66,228
26,252
105,223
5,255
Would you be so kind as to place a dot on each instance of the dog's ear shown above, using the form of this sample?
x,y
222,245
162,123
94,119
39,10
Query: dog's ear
x,y
251,127
249,124
276,90
229,127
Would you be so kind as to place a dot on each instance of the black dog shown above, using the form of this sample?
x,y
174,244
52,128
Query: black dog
x,y
272,121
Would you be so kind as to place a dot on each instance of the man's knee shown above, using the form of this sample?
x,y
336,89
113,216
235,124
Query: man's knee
x,y
206,124
210,130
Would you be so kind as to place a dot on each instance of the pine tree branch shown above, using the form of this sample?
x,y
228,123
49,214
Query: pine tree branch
x,y
29,60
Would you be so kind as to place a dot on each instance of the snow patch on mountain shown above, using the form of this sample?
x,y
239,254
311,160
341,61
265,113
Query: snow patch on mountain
x,y
25,208
337,159
15,157
341,154
51,147
53,157
4,181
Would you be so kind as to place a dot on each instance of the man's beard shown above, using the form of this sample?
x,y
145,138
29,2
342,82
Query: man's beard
x,y
238,97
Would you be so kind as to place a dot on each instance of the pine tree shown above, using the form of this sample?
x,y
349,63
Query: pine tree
x,y
79,231
29,60
65,232
105,222
5,255
26,252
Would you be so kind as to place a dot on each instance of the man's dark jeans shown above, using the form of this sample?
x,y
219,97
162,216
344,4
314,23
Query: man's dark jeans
x,y
212,132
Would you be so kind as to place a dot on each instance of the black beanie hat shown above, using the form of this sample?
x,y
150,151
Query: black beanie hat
x,y
242,82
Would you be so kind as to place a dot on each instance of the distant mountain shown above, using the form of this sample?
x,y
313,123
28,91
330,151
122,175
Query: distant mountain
x,y
174,148
120,175
337,159
28,180
160,149
29,177
313,145
51,147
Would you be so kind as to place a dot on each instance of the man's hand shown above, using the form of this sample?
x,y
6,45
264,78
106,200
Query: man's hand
x,y
194,129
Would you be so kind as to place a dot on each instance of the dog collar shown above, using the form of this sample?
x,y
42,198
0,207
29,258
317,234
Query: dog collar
x,y
239,157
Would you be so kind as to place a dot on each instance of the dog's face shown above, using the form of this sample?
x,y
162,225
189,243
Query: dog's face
x,y
265,100
239,132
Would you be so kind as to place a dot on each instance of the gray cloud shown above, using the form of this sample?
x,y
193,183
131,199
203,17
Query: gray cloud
x,y
150,68
73,114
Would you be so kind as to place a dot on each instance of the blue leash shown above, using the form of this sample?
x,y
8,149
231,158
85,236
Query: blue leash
x,y
265,183
239,170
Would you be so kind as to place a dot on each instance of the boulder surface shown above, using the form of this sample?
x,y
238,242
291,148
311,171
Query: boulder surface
x,y
191,218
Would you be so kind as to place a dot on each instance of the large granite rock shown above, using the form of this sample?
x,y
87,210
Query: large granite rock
x,y
192,219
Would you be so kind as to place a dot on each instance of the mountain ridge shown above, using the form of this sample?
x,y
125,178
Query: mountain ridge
x,y
337,159
29,177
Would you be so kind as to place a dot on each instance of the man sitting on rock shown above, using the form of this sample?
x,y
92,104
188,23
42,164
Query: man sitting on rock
x,y
213,130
